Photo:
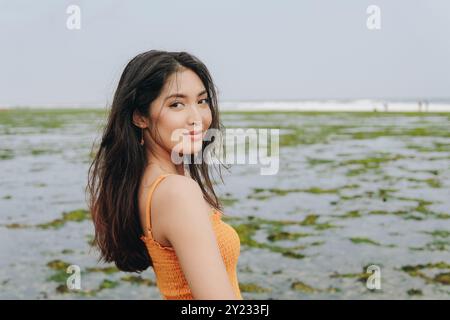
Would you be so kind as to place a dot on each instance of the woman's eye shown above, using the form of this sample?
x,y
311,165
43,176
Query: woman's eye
x,y
174,105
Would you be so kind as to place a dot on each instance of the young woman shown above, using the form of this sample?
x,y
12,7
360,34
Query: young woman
x,y
149,210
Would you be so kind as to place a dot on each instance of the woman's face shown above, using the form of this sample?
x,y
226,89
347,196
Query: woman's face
x,y
182,107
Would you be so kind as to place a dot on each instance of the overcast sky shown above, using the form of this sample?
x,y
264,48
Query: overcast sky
x,y
255,50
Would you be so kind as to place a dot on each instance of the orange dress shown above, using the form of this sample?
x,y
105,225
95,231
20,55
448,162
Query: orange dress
x,y
169,276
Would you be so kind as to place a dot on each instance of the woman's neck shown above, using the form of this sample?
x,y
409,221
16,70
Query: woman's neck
x,y
167,167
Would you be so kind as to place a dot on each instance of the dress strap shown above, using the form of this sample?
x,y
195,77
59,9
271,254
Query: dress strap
x,y
148,222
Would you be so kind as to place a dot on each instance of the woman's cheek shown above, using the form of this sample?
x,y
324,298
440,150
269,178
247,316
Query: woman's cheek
x,y
175,140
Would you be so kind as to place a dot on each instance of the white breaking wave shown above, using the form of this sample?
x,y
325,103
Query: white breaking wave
x,y
301,105
336,105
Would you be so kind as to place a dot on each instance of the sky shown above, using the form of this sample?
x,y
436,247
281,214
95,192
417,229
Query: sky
x,y
255,49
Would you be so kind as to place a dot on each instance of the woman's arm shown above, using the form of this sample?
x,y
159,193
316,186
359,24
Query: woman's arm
x,y
186,224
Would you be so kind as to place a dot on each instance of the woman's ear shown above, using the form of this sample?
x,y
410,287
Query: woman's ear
x,y
138,119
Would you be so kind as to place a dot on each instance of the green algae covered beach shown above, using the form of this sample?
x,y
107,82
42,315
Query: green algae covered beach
x,y
353,189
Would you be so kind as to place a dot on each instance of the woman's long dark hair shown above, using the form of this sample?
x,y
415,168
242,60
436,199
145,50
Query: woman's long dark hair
x,y
114,175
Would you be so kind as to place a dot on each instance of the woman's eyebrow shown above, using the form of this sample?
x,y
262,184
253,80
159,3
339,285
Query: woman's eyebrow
x,y
182,95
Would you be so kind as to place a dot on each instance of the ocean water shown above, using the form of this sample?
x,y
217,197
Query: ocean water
x,y
352,190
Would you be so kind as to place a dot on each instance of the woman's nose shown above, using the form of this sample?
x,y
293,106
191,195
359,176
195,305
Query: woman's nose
x,y
195,116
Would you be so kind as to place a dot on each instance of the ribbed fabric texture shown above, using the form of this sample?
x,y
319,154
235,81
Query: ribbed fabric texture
x,y
169,276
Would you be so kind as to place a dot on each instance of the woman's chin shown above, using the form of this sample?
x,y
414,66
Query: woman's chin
x,y
194,148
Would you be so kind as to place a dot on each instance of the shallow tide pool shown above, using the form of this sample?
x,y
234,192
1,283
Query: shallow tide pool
x,y
352,190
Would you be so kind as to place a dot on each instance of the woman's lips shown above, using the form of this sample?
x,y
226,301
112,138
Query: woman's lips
x,y
195,135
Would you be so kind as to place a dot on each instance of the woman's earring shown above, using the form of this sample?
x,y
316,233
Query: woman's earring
x,y
142,136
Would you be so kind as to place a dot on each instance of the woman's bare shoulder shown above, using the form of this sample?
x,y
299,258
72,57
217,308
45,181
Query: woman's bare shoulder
x,y
178,195
173,184
188,229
